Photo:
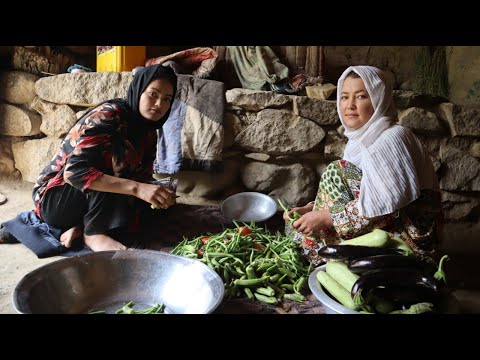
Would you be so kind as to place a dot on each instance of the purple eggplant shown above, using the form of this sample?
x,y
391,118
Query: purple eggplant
x,y
361,265
348,252
391,278
407,296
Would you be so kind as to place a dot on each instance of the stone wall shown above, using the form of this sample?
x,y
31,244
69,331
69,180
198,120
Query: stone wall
x,y
275,144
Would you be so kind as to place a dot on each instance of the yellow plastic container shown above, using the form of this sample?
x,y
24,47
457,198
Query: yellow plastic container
x,y
120,58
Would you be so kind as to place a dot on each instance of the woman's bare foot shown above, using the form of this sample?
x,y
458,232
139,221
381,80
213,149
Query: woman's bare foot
x,y
102,242
69,236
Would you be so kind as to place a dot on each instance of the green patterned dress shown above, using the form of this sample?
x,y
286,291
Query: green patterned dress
x,y
338,191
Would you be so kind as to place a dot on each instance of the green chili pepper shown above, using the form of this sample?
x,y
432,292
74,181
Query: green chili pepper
x,y
296,215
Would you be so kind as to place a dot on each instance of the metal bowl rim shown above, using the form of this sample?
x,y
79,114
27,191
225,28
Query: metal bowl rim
x,y
326,300
128,252
262,195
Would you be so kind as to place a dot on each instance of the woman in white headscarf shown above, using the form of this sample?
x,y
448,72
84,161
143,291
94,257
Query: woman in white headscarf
x,y
385,180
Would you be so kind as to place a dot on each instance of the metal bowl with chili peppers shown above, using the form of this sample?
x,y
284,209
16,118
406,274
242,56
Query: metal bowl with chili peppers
x,y
136,281
249,206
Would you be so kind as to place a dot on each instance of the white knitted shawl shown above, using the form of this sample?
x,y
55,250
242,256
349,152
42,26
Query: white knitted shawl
x,y
394,164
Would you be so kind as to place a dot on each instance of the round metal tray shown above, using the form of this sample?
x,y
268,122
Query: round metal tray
x,y
249,206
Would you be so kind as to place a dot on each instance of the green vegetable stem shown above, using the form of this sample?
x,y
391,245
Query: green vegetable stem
x,y
128,309
296,215
440,274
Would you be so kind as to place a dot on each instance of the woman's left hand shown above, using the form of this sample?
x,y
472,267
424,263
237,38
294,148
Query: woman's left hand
x,y
313,222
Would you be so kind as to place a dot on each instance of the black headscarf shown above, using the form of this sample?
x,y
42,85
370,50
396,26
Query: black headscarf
x,y
137,125
141,79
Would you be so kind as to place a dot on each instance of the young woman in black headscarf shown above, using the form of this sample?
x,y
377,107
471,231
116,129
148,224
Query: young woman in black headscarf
x,y
104,161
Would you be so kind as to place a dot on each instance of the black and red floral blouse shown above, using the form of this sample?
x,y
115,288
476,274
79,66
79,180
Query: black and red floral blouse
x,y
98,144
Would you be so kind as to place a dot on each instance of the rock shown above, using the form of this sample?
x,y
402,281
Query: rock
x,y
3,199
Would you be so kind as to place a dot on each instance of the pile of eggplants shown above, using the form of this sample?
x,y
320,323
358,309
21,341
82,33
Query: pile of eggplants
x,y
388,280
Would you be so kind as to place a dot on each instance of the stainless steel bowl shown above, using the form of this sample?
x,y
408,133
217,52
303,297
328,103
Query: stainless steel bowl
x,y
107,280
330,305
249,206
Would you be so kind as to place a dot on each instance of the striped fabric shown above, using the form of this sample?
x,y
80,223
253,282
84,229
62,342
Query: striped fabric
x,y
395,168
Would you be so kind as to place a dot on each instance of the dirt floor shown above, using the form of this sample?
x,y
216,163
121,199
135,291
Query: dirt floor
x,y
16,260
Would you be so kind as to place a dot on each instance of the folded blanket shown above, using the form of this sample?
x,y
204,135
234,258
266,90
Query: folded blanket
x,y
199,62
192,136
38,236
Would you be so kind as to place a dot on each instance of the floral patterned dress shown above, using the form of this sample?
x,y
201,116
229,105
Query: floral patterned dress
x,y
339,191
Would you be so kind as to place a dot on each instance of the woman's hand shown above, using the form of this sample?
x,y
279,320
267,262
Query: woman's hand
x,y
313,222
160,197
301,210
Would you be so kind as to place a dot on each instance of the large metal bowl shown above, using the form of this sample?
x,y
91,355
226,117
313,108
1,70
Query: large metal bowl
x,y
330,305
107,280
249,206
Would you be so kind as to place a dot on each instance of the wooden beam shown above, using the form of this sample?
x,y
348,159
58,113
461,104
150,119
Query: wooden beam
x,y
312,61
301,57
291,56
